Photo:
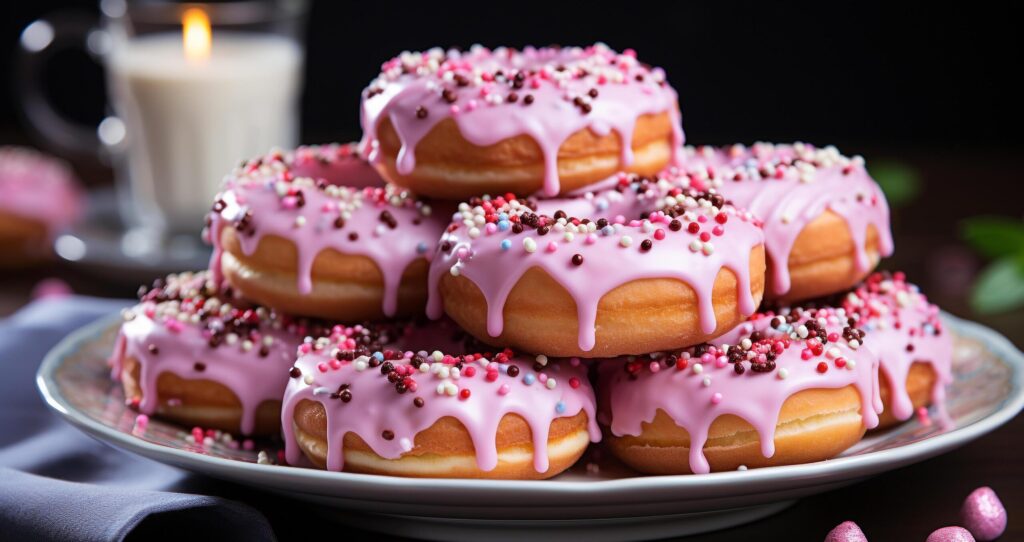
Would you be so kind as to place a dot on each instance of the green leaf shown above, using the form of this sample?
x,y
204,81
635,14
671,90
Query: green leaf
x,y
994,236
899,181
1000,287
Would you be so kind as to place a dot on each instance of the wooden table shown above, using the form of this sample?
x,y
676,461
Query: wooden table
x,y
903,505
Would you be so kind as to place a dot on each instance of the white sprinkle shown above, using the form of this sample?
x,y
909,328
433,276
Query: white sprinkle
x,y
695,245
783,373
698,368
551,383
625,240
300,221
529,245
308,379
707,381
262,458
542,359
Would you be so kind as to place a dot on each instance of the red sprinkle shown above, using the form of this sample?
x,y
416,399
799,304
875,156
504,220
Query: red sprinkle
x,y
464,393
822,367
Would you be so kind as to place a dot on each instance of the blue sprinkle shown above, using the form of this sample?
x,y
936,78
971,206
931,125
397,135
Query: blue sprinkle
x,y
379,356
502,217
529,379
504,225
607,230
602,205
421,248
506,244
560,407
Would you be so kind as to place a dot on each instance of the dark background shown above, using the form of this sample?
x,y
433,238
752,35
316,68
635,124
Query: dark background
x,y
853,74
930,88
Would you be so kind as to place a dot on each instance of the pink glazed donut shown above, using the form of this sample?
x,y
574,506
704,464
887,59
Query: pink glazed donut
x,y
316,232
457,124
781,389
357,405
39,197
826,222
512,274
914,347
188,354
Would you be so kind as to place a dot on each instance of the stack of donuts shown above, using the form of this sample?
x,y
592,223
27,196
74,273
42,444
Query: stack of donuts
x,y
522,257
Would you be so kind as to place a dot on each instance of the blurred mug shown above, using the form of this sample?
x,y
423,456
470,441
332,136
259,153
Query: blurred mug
x,y
194,89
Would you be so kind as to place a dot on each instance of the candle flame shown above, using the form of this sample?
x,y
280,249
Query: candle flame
x,y
195,33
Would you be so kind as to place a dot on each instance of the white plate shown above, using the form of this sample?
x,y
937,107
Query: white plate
x,y
597,499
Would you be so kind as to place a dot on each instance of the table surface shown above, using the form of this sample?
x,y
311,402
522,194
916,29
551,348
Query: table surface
x,y
906,504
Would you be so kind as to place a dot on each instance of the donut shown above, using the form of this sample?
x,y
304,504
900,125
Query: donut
x,y
567,286
457,124
913,346
826,222
39,198
290,232
355,405
780,389
188,354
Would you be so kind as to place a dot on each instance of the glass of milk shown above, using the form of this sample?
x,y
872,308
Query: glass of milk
x,y
193,89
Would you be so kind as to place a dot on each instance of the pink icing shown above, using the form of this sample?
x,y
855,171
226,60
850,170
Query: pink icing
x,y
477,391
700,384
39,187
187,328
903,328
482,245
788,186
325,198
492,95
629,196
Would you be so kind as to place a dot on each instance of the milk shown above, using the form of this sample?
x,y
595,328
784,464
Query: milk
x,y
189,121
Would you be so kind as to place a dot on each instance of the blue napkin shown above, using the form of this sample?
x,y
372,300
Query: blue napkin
x,y
58,484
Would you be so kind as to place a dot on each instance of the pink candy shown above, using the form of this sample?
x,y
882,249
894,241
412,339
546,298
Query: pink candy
x,y
983,514
846,531
950,534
